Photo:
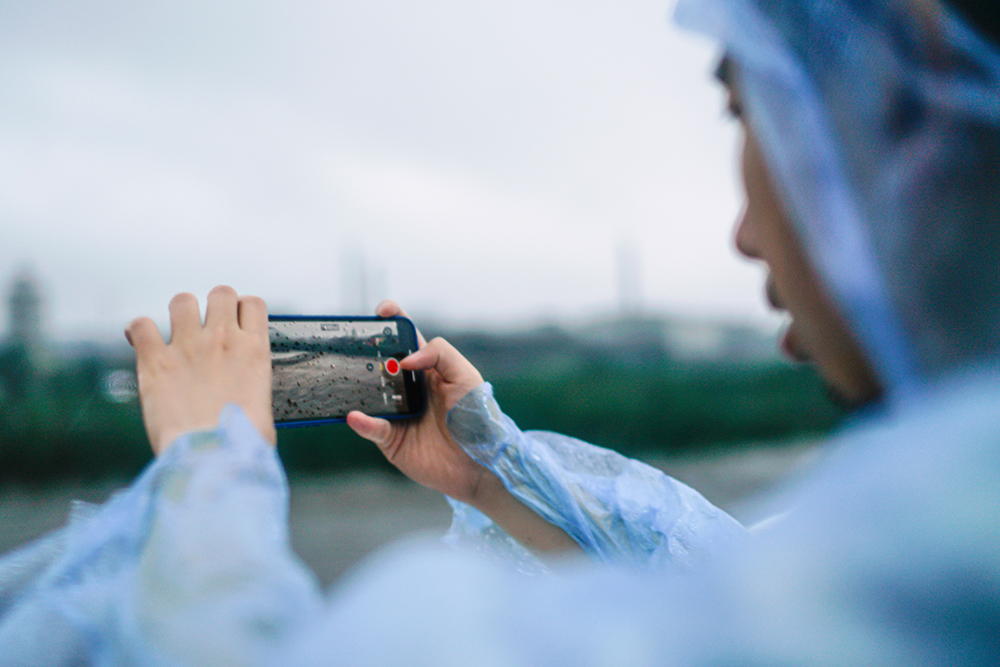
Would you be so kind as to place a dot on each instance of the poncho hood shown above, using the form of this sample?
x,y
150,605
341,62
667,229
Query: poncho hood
x,y
880,126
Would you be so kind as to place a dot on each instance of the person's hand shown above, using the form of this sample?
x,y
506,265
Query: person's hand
x,y
423,449
184,385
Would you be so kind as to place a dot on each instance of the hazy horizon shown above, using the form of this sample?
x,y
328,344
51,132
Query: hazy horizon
x,y
486,164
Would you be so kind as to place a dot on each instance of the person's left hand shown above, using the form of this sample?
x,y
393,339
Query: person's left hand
x,y
424,450
184,385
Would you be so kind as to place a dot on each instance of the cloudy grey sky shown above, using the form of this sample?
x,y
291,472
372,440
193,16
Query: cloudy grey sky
x,y
485,161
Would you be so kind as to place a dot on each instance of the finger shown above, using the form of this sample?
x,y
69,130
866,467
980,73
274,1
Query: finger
x,y
143,335
390,308
440,355
222,309
377,430
184,315
252,314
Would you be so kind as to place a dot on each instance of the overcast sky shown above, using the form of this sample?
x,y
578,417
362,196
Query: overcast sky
x,y
481,162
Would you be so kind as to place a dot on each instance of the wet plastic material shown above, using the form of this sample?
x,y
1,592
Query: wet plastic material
x,y
619,510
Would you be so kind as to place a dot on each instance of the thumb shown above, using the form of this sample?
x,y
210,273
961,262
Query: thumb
x,y
376,430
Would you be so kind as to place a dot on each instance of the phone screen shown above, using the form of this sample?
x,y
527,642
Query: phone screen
x,y
325,367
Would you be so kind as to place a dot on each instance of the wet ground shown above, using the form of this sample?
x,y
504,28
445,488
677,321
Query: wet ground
x,y
336,520
318,385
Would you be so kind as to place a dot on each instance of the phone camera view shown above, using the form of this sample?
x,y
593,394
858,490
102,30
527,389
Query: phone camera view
x,y
324,368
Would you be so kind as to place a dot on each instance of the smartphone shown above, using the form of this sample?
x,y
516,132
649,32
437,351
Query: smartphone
x,y
324,367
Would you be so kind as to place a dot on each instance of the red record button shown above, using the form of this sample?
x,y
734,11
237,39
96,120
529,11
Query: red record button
x,y
392,366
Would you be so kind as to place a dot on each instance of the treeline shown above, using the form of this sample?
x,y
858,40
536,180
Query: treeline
x,y
673,410
66,425
72,428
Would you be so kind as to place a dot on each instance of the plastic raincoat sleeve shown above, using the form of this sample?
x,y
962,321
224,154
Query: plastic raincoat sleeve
x,y
198,541
618,509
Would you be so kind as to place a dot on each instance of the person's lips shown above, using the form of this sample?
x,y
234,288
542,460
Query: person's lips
x,y
790,345
772,295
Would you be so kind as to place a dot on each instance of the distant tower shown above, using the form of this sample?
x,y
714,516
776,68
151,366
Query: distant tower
x,y
25,311
362,283
629,281
22,359
354,281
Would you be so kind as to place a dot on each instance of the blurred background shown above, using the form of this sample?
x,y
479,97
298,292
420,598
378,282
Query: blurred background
x,y
549,184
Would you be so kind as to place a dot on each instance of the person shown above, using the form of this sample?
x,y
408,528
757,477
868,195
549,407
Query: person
x,y
871,156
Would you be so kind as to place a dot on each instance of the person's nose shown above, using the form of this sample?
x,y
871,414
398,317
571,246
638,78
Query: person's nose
x,y
744,237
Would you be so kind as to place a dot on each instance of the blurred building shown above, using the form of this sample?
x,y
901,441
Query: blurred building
x,y
33,365
25,357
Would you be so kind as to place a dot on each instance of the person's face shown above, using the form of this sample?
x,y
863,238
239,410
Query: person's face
x,y
816,332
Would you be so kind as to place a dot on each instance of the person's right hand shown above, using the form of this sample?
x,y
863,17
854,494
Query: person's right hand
x,y
422,449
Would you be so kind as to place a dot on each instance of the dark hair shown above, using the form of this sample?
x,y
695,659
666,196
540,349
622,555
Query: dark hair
x,y
983,15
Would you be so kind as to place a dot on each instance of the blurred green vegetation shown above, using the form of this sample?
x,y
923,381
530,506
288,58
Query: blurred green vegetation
x,y
672,409
64,425
80,421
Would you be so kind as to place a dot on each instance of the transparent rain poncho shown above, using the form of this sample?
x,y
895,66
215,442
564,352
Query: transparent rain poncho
x,y
880,132
619,510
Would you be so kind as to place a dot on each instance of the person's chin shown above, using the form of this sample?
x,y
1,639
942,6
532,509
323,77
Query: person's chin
x,y
791,347
843,400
